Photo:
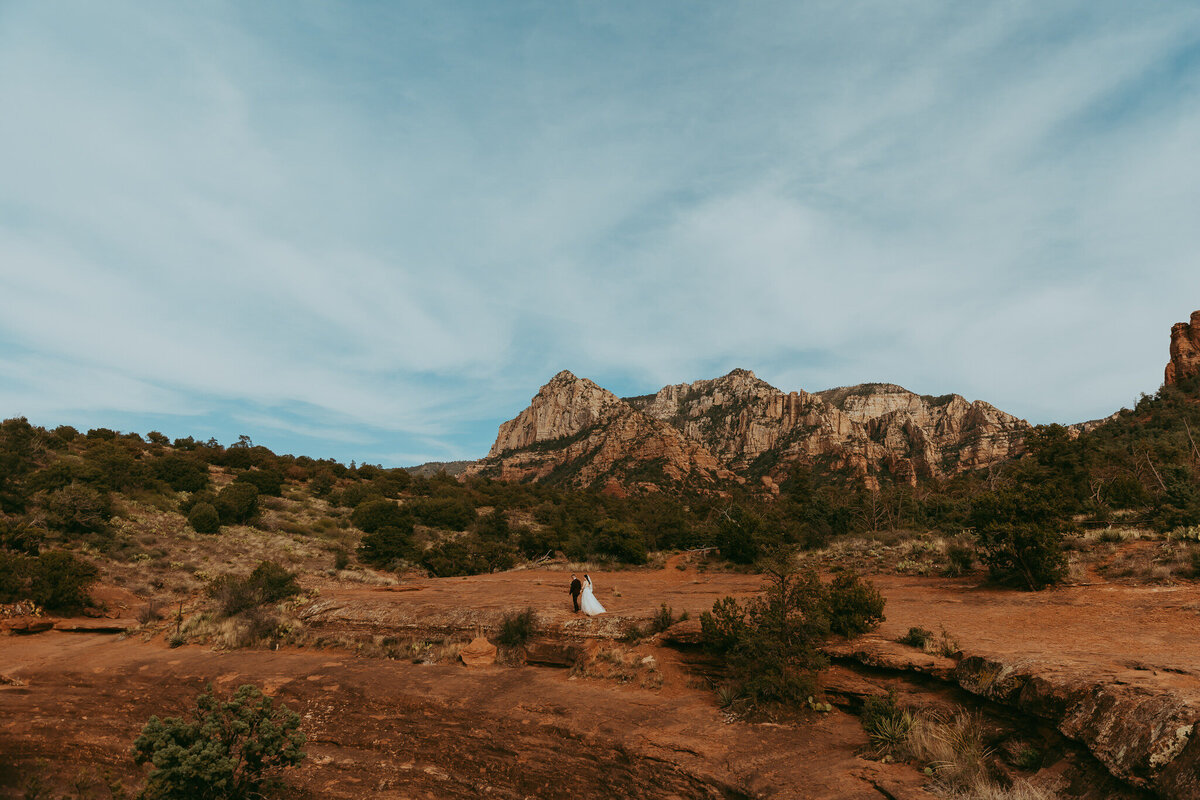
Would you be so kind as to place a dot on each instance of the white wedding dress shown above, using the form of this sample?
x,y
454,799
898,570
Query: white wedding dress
x,y
588,603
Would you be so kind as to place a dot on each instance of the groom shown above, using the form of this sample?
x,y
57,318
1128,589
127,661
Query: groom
x,y
576,588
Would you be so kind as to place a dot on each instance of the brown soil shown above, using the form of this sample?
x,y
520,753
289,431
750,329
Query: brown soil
x,y
393,729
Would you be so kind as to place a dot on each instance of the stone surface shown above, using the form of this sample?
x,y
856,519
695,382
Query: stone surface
x,y
738,428
1185,350
551,654
26,625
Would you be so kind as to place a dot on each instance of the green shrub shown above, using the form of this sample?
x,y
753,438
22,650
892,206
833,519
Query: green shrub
x,y
1020,535
60,581
620,540
15,570
78,509
21,536
467,555
274,582
738,536
960,559
182,473
854,605
372,514
341,558
771,643
665,618
268,583
222,750
447,513
353,495
886,723
204,518
917,637
516,628
385,546
237,503
269,482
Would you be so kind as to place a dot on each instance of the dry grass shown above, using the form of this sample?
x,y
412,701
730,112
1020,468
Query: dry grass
x,y
620,664
902,552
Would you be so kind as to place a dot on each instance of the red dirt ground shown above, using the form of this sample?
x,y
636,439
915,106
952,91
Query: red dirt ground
x,y
392,729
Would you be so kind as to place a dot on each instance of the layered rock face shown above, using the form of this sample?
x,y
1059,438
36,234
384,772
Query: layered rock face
x,y
741,428
577,432
1185,350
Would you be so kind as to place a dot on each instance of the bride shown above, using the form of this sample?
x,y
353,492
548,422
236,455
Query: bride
x,y
588,603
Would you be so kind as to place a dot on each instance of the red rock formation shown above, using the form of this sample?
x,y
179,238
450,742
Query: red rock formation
x,y
1185,350
738,427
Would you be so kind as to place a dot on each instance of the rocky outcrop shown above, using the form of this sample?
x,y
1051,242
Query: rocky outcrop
x,y
758,430
1185,350
1140,730
738,428
576,432
563,407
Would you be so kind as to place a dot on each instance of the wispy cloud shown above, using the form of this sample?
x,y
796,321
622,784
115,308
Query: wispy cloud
x,y
372,231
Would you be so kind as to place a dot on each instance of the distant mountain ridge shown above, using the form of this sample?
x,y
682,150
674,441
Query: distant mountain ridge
x,y
739,428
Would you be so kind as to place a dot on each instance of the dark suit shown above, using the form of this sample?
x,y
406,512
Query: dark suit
x,y
576,588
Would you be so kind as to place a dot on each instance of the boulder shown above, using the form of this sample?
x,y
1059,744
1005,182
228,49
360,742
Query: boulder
x,y
686,633
479,653
25,625
552,654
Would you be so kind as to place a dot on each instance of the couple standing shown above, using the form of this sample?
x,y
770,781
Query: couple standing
x,y
582,596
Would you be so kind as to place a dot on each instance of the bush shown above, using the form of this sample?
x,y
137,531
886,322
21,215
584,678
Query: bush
x,y
237,503
917,637
467,555
771,643
204,518
269,482
622,541
1020,535
737,536
854,605
372,514
15,570
887,724
78,509
386,546
60,581
516,628
341,558
444,512
21,536
274,582
268,583
181,473
960,560
223,750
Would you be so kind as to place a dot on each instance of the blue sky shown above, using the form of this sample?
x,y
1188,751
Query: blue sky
x,y
371,231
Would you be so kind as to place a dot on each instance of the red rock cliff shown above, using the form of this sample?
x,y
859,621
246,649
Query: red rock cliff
x,y
1185,350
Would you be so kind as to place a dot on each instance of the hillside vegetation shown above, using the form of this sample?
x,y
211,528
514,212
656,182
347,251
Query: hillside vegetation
x,y
162,516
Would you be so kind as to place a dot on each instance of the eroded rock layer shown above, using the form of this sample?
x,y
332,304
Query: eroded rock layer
x,y
738,427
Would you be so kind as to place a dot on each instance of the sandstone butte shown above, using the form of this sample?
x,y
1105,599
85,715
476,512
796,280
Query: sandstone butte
x,y
740,428
1185,350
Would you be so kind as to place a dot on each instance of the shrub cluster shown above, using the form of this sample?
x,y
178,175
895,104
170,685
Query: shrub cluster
x,y
770,643
54,579
222,749
268,583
